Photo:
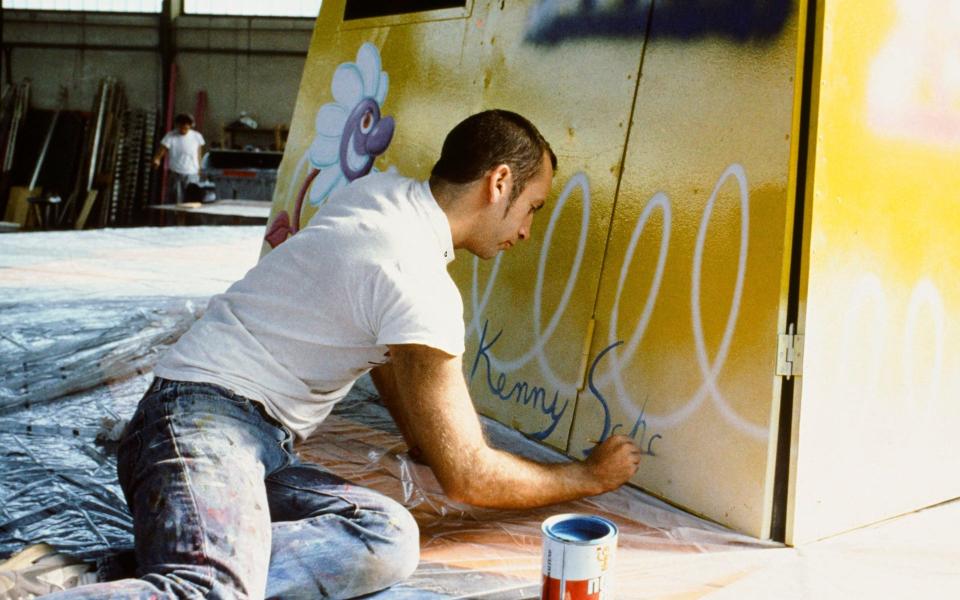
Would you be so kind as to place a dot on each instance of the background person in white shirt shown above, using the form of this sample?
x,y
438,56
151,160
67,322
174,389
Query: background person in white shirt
x,y
184,145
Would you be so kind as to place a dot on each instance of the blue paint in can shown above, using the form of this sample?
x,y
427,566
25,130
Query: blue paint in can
x,y
580,528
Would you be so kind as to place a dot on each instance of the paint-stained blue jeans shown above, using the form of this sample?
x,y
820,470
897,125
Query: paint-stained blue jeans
x,y
223,508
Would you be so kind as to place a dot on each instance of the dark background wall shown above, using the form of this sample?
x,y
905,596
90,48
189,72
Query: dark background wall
x,y
244,64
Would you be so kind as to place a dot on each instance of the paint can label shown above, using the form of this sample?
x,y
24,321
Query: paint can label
x,y
578,554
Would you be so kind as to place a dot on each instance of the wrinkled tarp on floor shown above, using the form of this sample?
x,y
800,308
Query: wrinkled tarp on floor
x,y
83,318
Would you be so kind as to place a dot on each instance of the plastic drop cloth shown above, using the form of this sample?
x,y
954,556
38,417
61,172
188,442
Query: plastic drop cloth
x,y
72,370
83,318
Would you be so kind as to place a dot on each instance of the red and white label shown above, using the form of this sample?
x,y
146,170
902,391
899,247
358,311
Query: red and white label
x,y
576,572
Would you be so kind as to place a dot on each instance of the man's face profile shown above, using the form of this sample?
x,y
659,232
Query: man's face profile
x,y
511,218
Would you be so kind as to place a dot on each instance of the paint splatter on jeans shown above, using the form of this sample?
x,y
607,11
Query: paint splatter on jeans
x,y
223,508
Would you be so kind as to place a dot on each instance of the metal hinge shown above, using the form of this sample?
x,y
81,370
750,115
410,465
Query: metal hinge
x,y
790,353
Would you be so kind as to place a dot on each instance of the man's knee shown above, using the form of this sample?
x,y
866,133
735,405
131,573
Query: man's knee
x,y
399,557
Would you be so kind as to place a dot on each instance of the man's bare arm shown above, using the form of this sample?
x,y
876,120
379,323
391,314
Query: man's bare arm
x,y
385,382
435,407
158,157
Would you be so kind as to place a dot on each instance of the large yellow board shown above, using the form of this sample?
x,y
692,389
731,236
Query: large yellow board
x,y
875,432
650,298
657,318
685,345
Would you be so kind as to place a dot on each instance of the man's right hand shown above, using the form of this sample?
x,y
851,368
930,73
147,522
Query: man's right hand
x,y
613,462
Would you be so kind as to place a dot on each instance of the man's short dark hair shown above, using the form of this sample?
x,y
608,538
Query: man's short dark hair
x,y
183,119
482,141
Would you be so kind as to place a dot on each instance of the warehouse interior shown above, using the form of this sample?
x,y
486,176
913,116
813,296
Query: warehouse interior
x,y
110,75
100,272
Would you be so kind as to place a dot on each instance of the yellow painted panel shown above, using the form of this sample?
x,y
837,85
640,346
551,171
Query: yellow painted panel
x,y
684,351
878,414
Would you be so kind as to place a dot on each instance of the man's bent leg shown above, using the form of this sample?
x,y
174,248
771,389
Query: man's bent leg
x,y
333,539
192,467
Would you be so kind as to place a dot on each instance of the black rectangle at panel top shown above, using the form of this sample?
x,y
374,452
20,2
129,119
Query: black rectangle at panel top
x,y
363,9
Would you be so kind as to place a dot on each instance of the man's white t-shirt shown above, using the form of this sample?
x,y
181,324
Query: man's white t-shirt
x,y
318,312
184,151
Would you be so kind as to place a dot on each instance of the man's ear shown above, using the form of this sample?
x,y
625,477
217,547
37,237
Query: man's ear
x,y
499,182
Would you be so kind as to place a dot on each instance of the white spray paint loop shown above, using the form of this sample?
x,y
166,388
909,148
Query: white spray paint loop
x,y
659,200
540,338
711,370
478,307
578,180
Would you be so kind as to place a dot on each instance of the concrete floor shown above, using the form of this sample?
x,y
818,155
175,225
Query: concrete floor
x,y
914,557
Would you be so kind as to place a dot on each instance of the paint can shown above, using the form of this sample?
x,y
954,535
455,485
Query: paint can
x,y
578,553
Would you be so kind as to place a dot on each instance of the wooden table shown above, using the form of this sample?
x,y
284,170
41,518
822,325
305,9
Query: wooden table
x,y
220,212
